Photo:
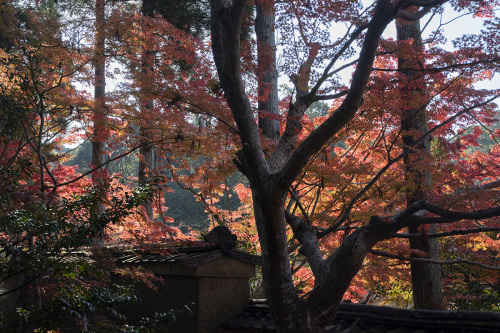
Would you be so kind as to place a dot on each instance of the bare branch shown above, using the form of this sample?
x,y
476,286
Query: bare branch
x,y
444,68
476,189
421,3
95,168
403,219
301,207
326,72
432,261
333,96
449,233
305,233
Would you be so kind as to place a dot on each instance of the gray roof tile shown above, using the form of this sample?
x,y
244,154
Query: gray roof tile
x,y
360,318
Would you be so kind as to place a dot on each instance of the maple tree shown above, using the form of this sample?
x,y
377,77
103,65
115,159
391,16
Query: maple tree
x,y
336,188
361,185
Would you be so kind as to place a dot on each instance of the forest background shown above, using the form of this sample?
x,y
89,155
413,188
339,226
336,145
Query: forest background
x,y
159,158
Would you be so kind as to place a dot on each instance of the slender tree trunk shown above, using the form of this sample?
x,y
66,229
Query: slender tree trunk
x,y
147,149
425,277
99,117
267,71
146,164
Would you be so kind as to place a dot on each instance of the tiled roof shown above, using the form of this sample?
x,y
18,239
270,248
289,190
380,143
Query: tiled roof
x,y
219,242
256,317
188,257
358,318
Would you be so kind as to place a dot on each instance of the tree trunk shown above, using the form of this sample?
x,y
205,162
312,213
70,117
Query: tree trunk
x,y
99,115
147,149
146,164
283,298
267,71
425,277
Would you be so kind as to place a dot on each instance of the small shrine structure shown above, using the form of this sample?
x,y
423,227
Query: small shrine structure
x,y
212,280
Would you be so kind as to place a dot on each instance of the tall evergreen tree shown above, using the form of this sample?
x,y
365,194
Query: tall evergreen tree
x,y
189,16
425,277
100,129
267,71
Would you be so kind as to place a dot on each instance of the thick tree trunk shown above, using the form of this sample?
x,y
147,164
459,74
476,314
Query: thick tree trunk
x,y
425,277
99,116
278,283
267,71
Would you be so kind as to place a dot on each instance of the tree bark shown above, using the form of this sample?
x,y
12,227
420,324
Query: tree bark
x,y
99,88
425,277
282,296
267,70
146,163
99,115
